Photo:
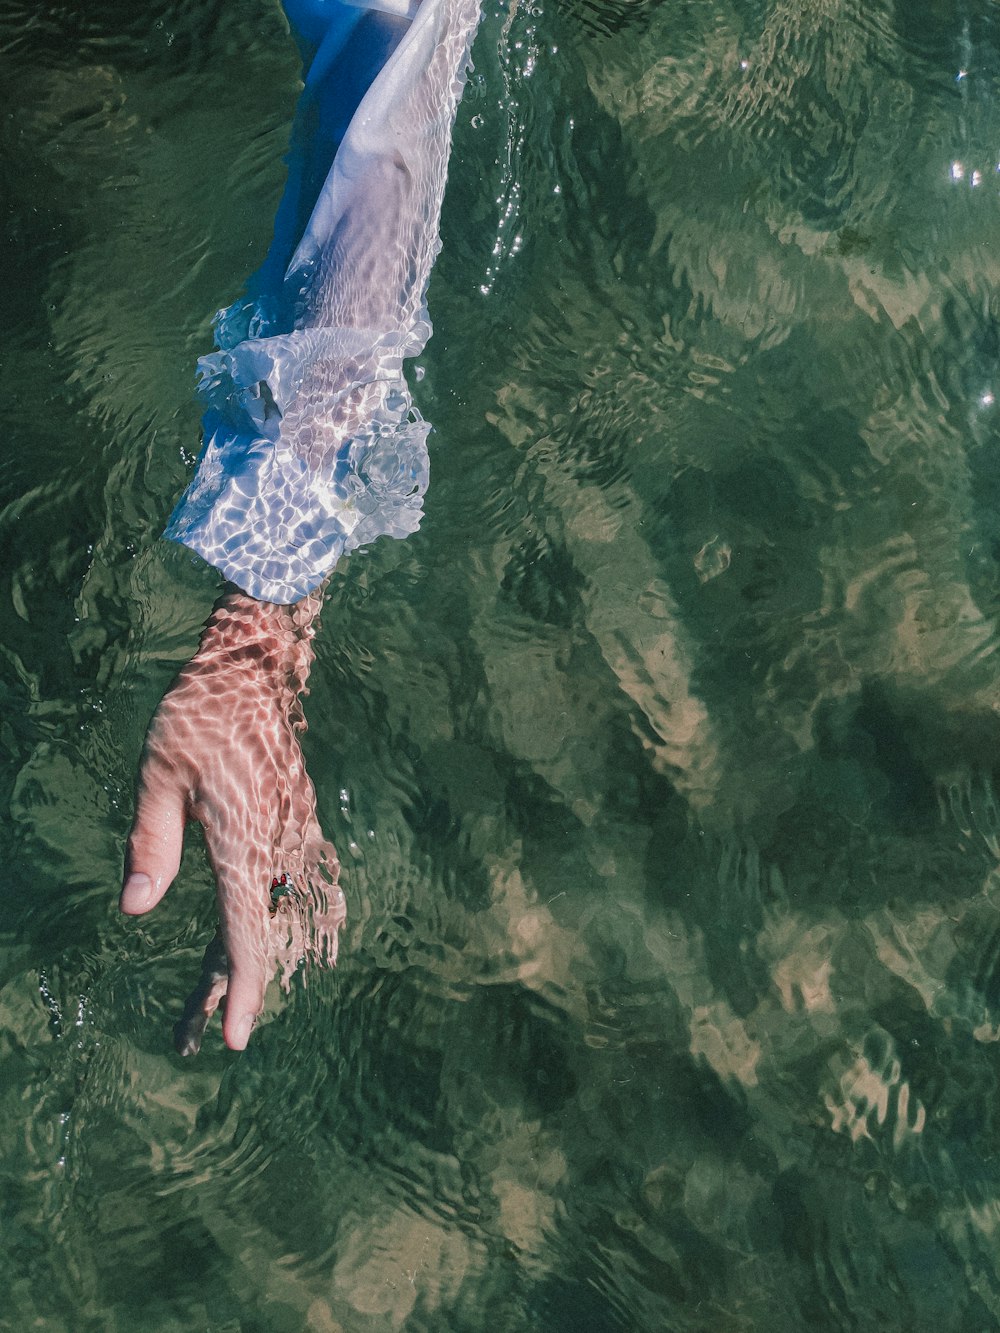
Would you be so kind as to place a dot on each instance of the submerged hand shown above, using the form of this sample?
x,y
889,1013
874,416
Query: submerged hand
x,y
223,749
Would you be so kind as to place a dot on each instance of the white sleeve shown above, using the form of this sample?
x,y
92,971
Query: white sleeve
x,y
312,446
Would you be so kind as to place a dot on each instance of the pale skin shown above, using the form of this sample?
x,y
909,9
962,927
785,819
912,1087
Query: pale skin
x,y
223,749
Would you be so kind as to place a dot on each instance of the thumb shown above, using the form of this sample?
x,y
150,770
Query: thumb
x,y
156,840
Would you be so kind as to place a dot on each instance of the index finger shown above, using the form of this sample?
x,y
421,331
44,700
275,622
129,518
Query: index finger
x,y
245,922
244,1000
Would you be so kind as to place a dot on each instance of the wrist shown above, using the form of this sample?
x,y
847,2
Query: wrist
x,y
249,615
262,638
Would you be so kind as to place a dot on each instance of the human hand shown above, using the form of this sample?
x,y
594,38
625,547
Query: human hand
x,y
223,749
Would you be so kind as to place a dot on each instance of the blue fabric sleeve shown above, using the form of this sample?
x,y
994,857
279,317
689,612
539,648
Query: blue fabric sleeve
x,y
312,445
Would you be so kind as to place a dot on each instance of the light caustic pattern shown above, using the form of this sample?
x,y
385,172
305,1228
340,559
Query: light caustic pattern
x,y
223,749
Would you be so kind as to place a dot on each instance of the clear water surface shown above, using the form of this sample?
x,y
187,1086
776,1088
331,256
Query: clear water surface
x,y
661,760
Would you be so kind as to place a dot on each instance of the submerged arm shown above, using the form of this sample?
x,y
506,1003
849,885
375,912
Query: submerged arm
x,y
312,448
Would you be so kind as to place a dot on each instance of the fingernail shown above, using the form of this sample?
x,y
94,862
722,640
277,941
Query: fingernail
x,y
137,893
243,1029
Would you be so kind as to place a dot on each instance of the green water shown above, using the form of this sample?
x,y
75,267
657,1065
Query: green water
x,y
660,761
